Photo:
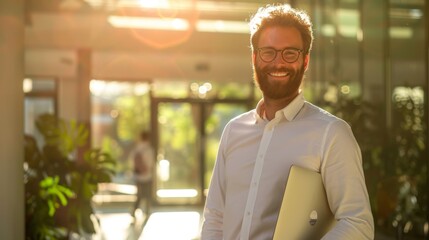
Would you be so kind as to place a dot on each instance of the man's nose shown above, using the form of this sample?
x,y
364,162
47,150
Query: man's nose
x,y
279,59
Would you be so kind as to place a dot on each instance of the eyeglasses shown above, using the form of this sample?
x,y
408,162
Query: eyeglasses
x,y
289,55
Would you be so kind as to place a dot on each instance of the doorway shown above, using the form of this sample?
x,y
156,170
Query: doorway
x,y
187,134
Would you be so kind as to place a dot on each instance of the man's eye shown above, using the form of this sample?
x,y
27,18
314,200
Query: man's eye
x,y
289,53
268,53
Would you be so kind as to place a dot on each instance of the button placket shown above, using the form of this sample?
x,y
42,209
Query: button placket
x,y
254,183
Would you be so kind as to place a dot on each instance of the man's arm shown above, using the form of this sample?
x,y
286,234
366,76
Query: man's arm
x,y
344,181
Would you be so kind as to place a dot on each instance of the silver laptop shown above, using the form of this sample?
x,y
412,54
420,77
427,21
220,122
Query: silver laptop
x,y
304,213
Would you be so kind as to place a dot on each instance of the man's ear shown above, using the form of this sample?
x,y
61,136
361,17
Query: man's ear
x,y
253,58
306,61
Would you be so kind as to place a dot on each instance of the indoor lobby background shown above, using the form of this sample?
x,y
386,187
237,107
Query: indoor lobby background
x,y
181,69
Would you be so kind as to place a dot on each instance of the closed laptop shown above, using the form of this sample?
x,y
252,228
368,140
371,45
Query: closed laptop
x,y
304,213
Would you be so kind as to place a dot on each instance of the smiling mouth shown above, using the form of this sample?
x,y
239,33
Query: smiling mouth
x,y
278,74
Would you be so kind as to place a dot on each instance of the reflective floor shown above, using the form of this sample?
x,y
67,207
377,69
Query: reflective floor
x,y
113,204
165,223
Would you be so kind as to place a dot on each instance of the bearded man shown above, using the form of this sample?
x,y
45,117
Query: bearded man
x,y
258,148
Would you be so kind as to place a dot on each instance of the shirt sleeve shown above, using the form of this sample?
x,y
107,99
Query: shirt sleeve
x,y
212,228
345,186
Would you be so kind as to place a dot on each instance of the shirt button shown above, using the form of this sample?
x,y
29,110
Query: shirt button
x,y
248,213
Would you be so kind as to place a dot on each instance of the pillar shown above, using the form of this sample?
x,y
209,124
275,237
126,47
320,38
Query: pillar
x,y
12,225
84,76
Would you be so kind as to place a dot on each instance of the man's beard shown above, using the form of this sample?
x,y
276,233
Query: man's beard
x,y
278,89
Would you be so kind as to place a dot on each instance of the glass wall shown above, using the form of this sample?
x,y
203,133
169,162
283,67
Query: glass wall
x,y
407,140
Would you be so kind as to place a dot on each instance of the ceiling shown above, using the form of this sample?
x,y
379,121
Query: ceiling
x,y
56,30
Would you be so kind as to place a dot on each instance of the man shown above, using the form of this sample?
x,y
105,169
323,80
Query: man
x,y
257,148
143,159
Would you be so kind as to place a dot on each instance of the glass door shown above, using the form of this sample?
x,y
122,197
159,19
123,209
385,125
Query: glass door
x,y
188,134
178,165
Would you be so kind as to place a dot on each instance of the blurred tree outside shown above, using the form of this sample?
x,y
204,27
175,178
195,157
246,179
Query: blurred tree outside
x,y
178,144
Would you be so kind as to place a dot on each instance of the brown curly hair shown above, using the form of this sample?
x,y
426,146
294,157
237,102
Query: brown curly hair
x,y
284,16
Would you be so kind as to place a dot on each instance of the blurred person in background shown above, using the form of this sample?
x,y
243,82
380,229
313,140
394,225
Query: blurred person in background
x,y
143,162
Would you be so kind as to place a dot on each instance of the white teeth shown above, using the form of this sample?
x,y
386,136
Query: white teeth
x,y
279,74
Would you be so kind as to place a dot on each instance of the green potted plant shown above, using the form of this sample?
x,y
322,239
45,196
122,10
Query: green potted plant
x,y
58,186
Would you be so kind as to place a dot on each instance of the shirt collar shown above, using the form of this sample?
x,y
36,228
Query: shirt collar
x,y
259,113
289,112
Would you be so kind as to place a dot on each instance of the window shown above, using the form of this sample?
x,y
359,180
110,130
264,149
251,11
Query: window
x,y
40,98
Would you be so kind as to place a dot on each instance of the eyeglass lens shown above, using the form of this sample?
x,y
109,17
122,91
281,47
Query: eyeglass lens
x,y
289,55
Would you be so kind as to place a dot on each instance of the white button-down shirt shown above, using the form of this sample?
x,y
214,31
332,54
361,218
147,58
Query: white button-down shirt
x,y
253,164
